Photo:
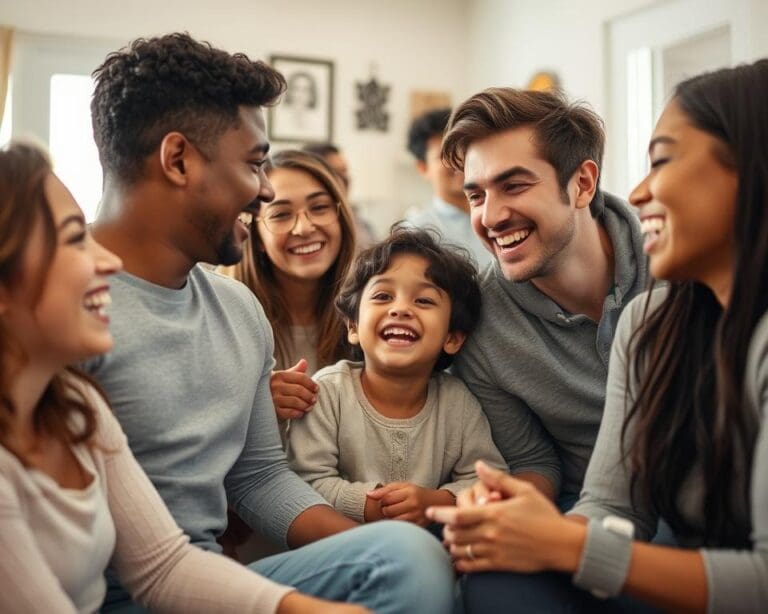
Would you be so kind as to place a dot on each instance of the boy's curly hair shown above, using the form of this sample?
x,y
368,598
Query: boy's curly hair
x,y
451,268
172,83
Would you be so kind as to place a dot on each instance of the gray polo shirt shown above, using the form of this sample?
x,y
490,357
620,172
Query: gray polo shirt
x,y
539,371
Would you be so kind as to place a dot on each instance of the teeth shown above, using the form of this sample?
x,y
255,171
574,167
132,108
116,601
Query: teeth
x,y
652,225
306,249
246,217
514,237
98,301
395,330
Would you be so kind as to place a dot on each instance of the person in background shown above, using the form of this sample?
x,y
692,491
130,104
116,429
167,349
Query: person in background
x,y
393,434
329,152
182,140
72,496
449,210
685,430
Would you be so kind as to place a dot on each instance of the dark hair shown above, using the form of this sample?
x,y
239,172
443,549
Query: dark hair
x,y
425,127
23,204
172,83
567,134
690,354
257,272
451,268
321,149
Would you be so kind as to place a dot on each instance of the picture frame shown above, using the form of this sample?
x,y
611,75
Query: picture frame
x,y
305,113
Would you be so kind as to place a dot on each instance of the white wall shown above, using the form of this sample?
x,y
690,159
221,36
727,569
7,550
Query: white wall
x,y
413,44
513,39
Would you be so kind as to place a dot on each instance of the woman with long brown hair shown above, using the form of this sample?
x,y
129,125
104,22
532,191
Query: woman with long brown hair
x,y
684,436
73,499
297,257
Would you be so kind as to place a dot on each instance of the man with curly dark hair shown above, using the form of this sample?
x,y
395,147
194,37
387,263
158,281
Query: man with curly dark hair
x,y
181,137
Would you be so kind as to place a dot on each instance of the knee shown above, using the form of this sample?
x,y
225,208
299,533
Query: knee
x,y
419,564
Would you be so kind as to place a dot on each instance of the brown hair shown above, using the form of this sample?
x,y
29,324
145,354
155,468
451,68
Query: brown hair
x,y
256,270
23,171
567,134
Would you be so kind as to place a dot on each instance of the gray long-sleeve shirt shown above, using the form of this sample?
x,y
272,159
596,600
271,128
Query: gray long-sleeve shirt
x,y
539,372
188,380
344,447
737,579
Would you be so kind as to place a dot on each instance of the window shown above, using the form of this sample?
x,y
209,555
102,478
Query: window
x,y
73,151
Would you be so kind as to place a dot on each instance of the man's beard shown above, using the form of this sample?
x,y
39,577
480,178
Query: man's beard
x,y
228,251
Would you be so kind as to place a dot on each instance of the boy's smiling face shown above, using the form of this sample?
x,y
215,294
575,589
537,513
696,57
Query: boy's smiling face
x,y
403,320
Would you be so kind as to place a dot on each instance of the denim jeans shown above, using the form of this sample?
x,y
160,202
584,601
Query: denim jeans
x,y
554,593
390,567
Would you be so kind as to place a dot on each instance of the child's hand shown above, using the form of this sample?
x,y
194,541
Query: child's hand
x,y
406,501
293,391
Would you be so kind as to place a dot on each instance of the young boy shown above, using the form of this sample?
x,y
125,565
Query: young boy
x,y
394,434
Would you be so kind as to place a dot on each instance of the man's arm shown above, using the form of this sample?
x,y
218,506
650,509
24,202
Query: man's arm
x,y
260,486
315,523
517,432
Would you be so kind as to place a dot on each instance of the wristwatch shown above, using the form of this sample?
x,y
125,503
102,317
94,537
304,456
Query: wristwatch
x,y
605,560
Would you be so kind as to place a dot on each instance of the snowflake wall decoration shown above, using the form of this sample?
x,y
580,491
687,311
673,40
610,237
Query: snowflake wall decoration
x,y
373,96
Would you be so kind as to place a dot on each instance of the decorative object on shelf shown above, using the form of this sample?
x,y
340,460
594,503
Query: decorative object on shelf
x,y
305,114
544,81
423,101
372,95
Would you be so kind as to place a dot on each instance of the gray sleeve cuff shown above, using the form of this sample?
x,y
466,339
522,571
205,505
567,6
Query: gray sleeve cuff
x,y
351,503
604,562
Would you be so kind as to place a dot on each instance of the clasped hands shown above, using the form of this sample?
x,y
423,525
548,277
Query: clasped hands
x,y
505,524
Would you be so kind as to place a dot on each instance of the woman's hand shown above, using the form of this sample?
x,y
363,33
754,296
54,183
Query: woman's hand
x,y
293,391
296,603
523,532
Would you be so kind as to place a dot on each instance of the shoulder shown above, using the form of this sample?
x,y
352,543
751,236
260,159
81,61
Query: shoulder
x,y
757,364
338,374
453,390
231,292
640,307
109,434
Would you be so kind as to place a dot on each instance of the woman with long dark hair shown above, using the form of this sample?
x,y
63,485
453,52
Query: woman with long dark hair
x,y
73,499
684,435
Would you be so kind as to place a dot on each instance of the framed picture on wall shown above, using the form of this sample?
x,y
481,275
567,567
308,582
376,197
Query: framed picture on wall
x,y
305,114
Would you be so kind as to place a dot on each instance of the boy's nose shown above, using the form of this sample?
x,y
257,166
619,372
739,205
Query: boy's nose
x,y
400,311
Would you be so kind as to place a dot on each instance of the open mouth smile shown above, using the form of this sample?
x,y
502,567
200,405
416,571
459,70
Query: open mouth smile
x,y
652,227
399,335
97,301
512,240
307,249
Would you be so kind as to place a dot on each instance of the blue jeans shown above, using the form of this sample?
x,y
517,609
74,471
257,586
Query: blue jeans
x,y
512,593
390,567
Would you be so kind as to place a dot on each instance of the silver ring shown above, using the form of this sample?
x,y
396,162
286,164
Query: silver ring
x,y
470,554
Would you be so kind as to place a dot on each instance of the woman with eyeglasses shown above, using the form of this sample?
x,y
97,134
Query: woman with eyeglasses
x,y
300,250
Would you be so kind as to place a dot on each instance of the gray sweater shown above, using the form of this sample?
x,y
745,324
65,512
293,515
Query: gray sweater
x,y
344,447
188,380
737,579
539,372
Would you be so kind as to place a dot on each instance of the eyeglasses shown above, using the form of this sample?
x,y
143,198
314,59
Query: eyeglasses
x,y
281,219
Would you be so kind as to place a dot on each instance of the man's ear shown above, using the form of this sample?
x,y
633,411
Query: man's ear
x,y
585,179
175,153
454,341
421,167
352,335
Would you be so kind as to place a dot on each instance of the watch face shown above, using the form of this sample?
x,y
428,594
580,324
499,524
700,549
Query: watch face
x,y
543,82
